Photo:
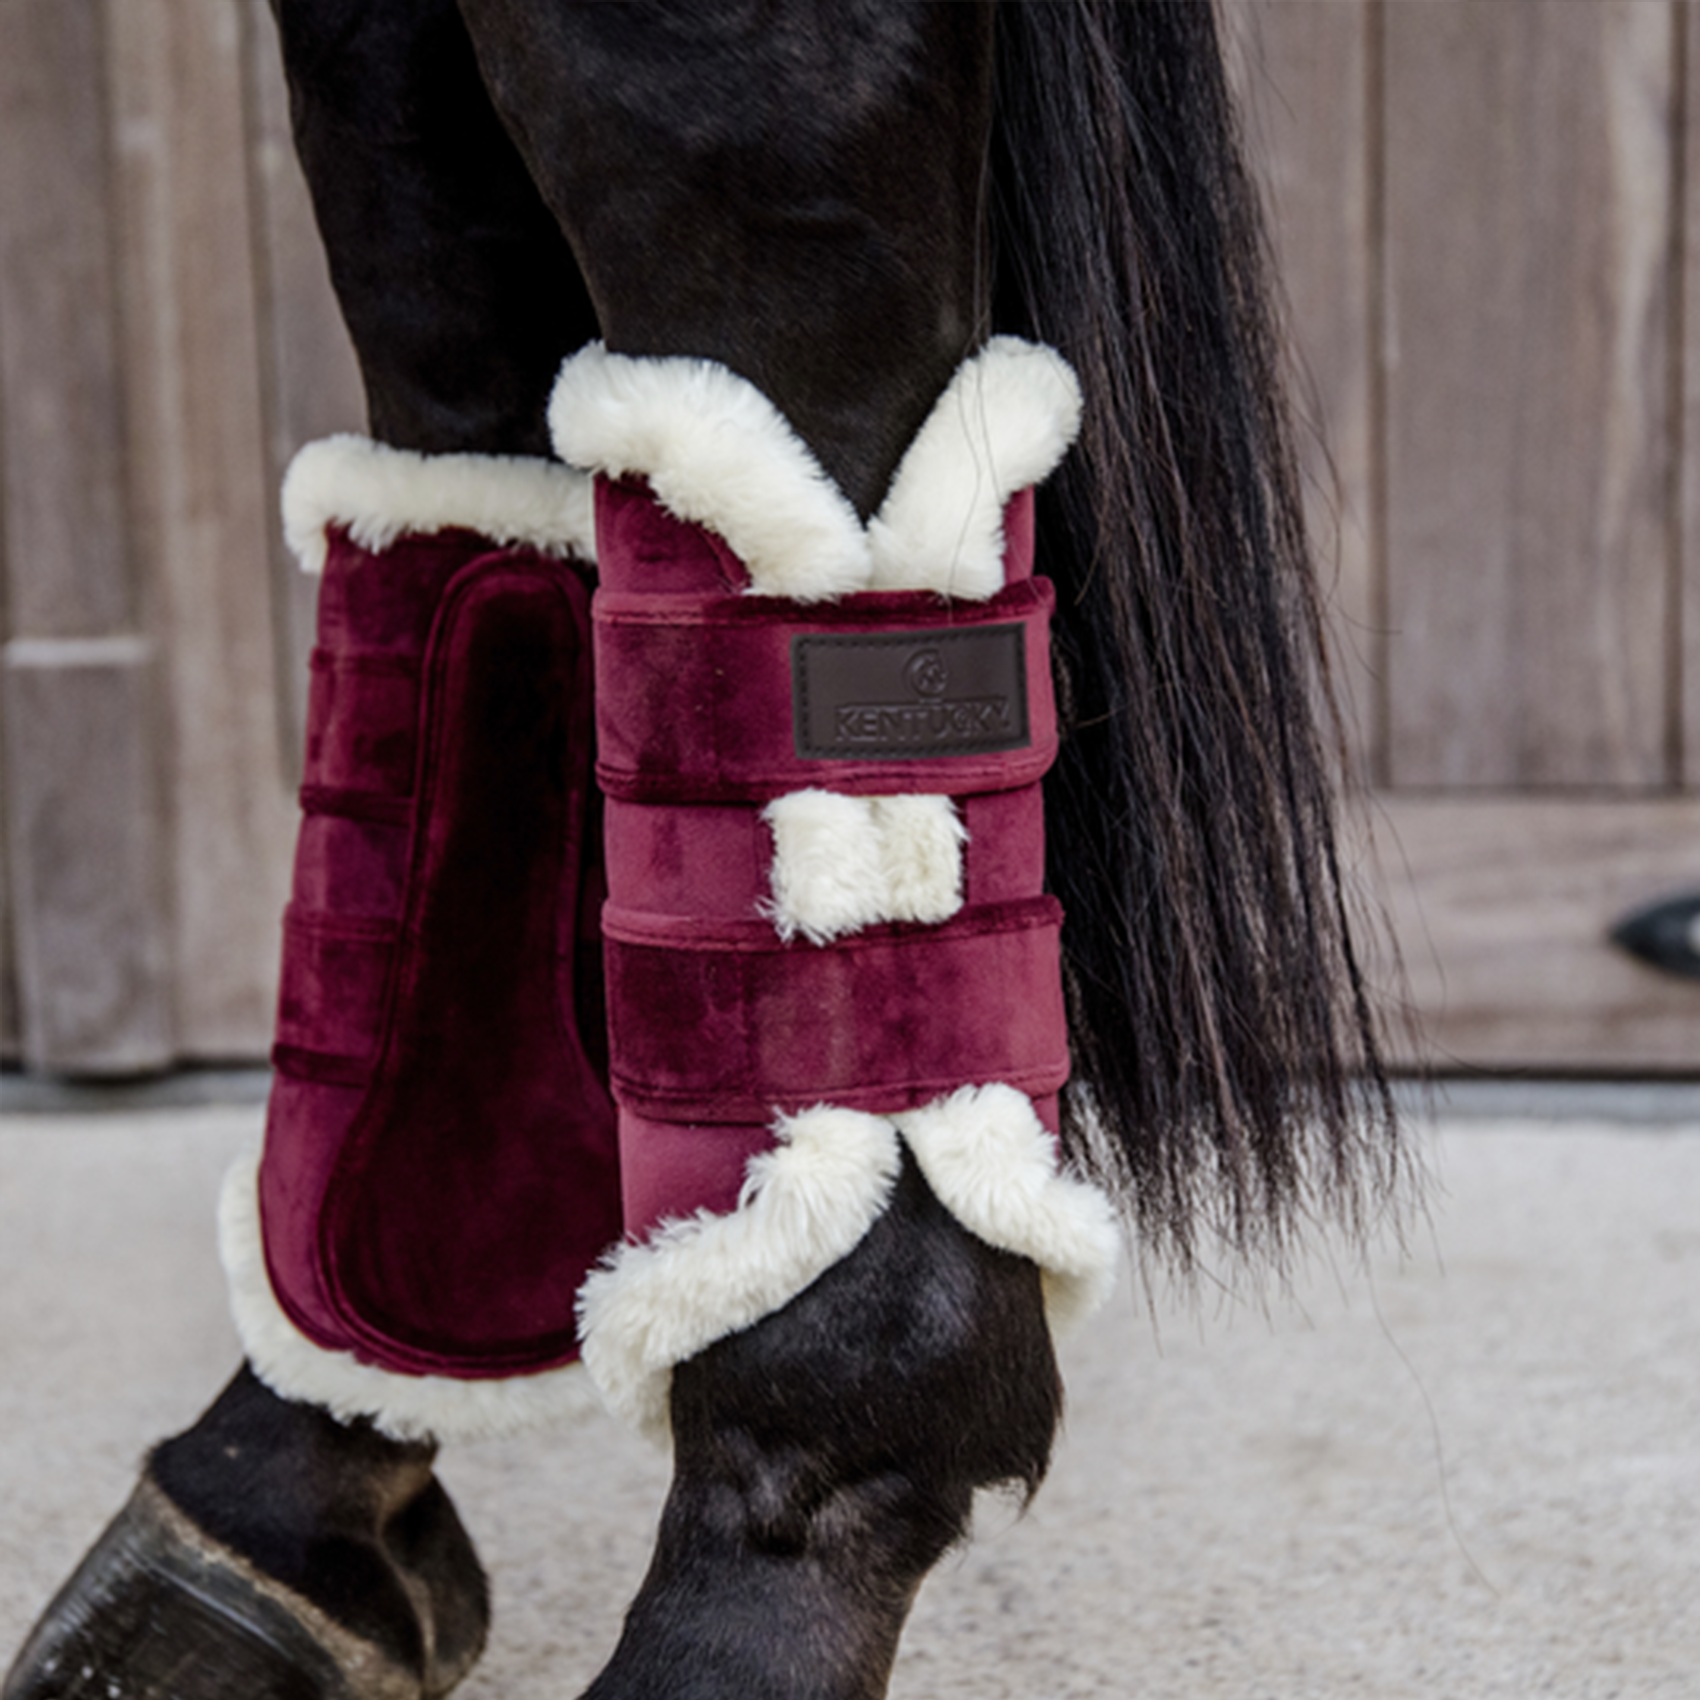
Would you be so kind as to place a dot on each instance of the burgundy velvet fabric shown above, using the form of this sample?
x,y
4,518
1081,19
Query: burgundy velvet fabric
x,y
717,1024
710,862
696,694
738,1024
441,1167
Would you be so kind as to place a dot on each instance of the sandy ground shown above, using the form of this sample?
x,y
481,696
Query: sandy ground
x,y
1470,1471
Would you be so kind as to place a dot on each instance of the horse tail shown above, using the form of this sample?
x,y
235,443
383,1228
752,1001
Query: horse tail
x,y
1228,1080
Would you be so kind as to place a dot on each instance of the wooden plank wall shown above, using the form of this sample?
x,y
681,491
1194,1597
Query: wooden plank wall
x,y
1304,75
311,381
1528,341
1688,425
201,499
85,847
152,243
1486,213
1534,559
1513,438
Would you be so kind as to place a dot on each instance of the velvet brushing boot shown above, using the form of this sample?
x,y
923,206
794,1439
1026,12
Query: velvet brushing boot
x,y
836,1018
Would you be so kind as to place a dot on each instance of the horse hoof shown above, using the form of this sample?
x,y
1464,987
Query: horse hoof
x,y
159,1611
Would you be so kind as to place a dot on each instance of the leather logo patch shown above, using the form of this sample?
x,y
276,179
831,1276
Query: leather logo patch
x,y
910,695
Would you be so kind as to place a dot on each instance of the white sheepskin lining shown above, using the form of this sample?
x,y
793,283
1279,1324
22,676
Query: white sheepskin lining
x,y
718,453
993,1165
804,1206
807,1203
843,863
405,1407
380,494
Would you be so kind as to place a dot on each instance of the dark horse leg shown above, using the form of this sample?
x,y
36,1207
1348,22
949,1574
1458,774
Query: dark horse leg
x,y
797,194
794,193
826,1458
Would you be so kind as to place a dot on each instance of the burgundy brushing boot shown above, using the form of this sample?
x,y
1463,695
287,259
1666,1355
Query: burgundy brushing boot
x,y
836,1018
440,1166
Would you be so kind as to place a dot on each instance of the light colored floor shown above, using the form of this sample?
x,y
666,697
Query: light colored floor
x,y
1471,1473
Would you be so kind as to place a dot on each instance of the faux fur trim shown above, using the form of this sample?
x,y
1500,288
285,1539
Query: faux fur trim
x,y
718,453
1003,423
405,1407
808,1203
380,493
843,863
993,1165
805,1205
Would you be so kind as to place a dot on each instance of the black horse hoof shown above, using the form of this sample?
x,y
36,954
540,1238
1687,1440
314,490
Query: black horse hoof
x,y
158,1611
269,1553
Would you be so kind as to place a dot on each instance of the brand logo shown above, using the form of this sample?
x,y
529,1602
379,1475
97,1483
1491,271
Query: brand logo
x,y
900,724
926,673
910,695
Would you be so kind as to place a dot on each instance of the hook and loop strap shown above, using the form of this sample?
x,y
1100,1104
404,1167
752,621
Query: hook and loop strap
x,y
726,698
720,1022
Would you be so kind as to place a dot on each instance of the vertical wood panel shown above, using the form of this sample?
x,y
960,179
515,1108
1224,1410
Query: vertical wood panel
x,y
92,944
1528,161
62,394
311,380
1689,441
1302,70
82,811
202,500
10,1036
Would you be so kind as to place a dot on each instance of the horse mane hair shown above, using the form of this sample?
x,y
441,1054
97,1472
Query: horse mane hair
x,y
1228,1080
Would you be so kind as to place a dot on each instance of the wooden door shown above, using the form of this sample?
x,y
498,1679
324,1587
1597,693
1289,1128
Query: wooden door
x,y
1486,215
1485,212
167,339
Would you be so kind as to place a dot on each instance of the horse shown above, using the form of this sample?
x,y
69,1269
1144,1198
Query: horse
x,y
1045,916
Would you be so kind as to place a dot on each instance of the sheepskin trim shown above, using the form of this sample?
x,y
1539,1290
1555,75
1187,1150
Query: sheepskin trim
x,y
718,453
1003,423
380,494
805,1205
405,1407
843,863
993,1166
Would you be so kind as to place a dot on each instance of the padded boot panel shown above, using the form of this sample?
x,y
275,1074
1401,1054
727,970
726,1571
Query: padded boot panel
x,y
441,1166
477,1187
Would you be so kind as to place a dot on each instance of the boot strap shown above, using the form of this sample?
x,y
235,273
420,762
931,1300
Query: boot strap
x,y
719,1022
726,698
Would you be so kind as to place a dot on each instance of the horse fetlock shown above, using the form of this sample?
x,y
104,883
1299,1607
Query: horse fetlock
x,y
925,1352
893,1522
724,1614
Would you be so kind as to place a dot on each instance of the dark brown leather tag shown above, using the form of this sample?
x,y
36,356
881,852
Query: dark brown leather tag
x,y
910,695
